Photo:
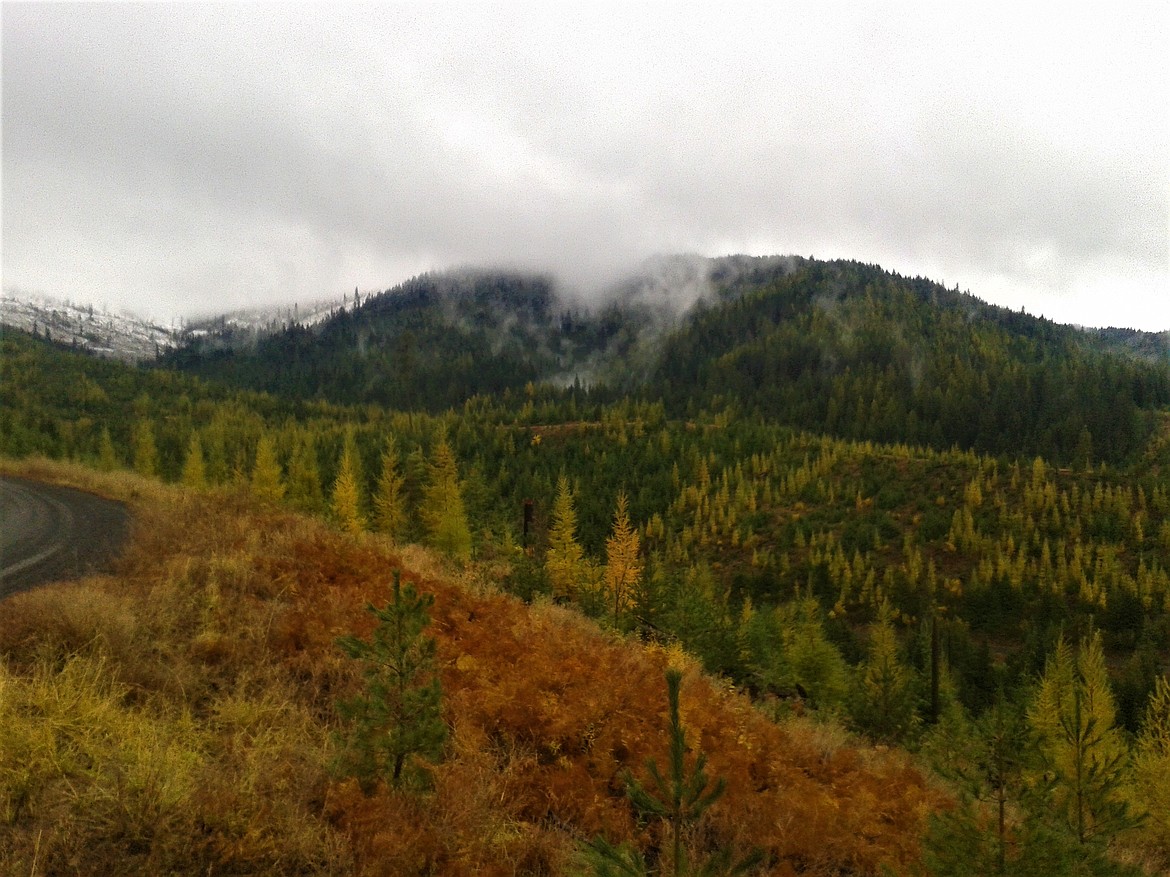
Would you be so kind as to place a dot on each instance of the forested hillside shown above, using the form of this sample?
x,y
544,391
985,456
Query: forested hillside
x,y
430,344
840,347
857,352
888,507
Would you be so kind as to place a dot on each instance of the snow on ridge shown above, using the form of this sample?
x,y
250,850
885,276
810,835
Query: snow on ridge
x,y
115,336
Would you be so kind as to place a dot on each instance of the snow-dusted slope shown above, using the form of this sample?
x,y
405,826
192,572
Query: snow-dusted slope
x,y
118,336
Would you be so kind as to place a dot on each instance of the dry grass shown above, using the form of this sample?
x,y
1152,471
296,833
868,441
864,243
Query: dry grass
x,y
177,717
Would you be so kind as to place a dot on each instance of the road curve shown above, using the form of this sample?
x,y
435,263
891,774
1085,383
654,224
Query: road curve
x,y
50,533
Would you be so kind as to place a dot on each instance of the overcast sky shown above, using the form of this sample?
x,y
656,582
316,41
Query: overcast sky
x,y
179,158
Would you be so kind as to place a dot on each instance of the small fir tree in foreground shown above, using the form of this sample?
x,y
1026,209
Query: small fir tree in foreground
x,y
396,721
677,801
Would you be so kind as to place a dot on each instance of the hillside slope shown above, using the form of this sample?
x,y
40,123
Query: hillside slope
x,y
177,717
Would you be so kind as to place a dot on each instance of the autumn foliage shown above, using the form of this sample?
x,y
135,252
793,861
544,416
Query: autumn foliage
x,y
211,673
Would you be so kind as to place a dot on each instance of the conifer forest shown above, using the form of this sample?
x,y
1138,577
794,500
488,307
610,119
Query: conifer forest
x,y
834,572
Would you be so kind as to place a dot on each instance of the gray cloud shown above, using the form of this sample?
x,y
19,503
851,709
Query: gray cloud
x,y
181,158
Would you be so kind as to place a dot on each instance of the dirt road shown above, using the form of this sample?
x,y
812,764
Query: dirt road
x,y
50,533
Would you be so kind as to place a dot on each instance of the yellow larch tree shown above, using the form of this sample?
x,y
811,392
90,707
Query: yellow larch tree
x,y
145,449
194,469
304,477
1151,766
347,496
623,566
565,561
389,511
1074,718
443,510
267,477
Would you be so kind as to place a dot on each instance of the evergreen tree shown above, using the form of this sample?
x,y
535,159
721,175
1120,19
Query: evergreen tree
x,y
267,479
194,471
443,510
397,720
1074,719
145,449
347,498
816,665
987,762
389,502
565,560
623,566
677,800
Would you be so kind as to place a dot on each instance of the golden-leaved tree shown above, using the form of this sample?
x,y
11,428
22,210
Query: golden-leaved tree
x,y
884,701
194,469
623,566
389,510
304,477
565,561
347,497
267,478
1074,717
1152,766
145,449
107,456
443,510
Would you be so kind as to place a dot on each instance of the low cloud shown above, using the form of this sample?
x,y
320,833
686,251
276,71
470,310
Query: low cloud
x,y
185,158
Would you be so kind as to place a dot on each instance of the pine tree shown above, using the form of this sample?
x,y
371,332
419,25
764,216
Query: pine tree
x,y
565,560
145,450
443,510
1074,719
389,511
347,498
816,664
677,801
194,471
397,720
623,567
987,762
267,479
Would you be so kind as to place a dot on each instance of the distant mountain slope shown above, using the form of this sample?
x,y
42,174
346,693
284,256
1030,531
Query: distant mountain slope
x,y
430,343
838,347
115,336
852,350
